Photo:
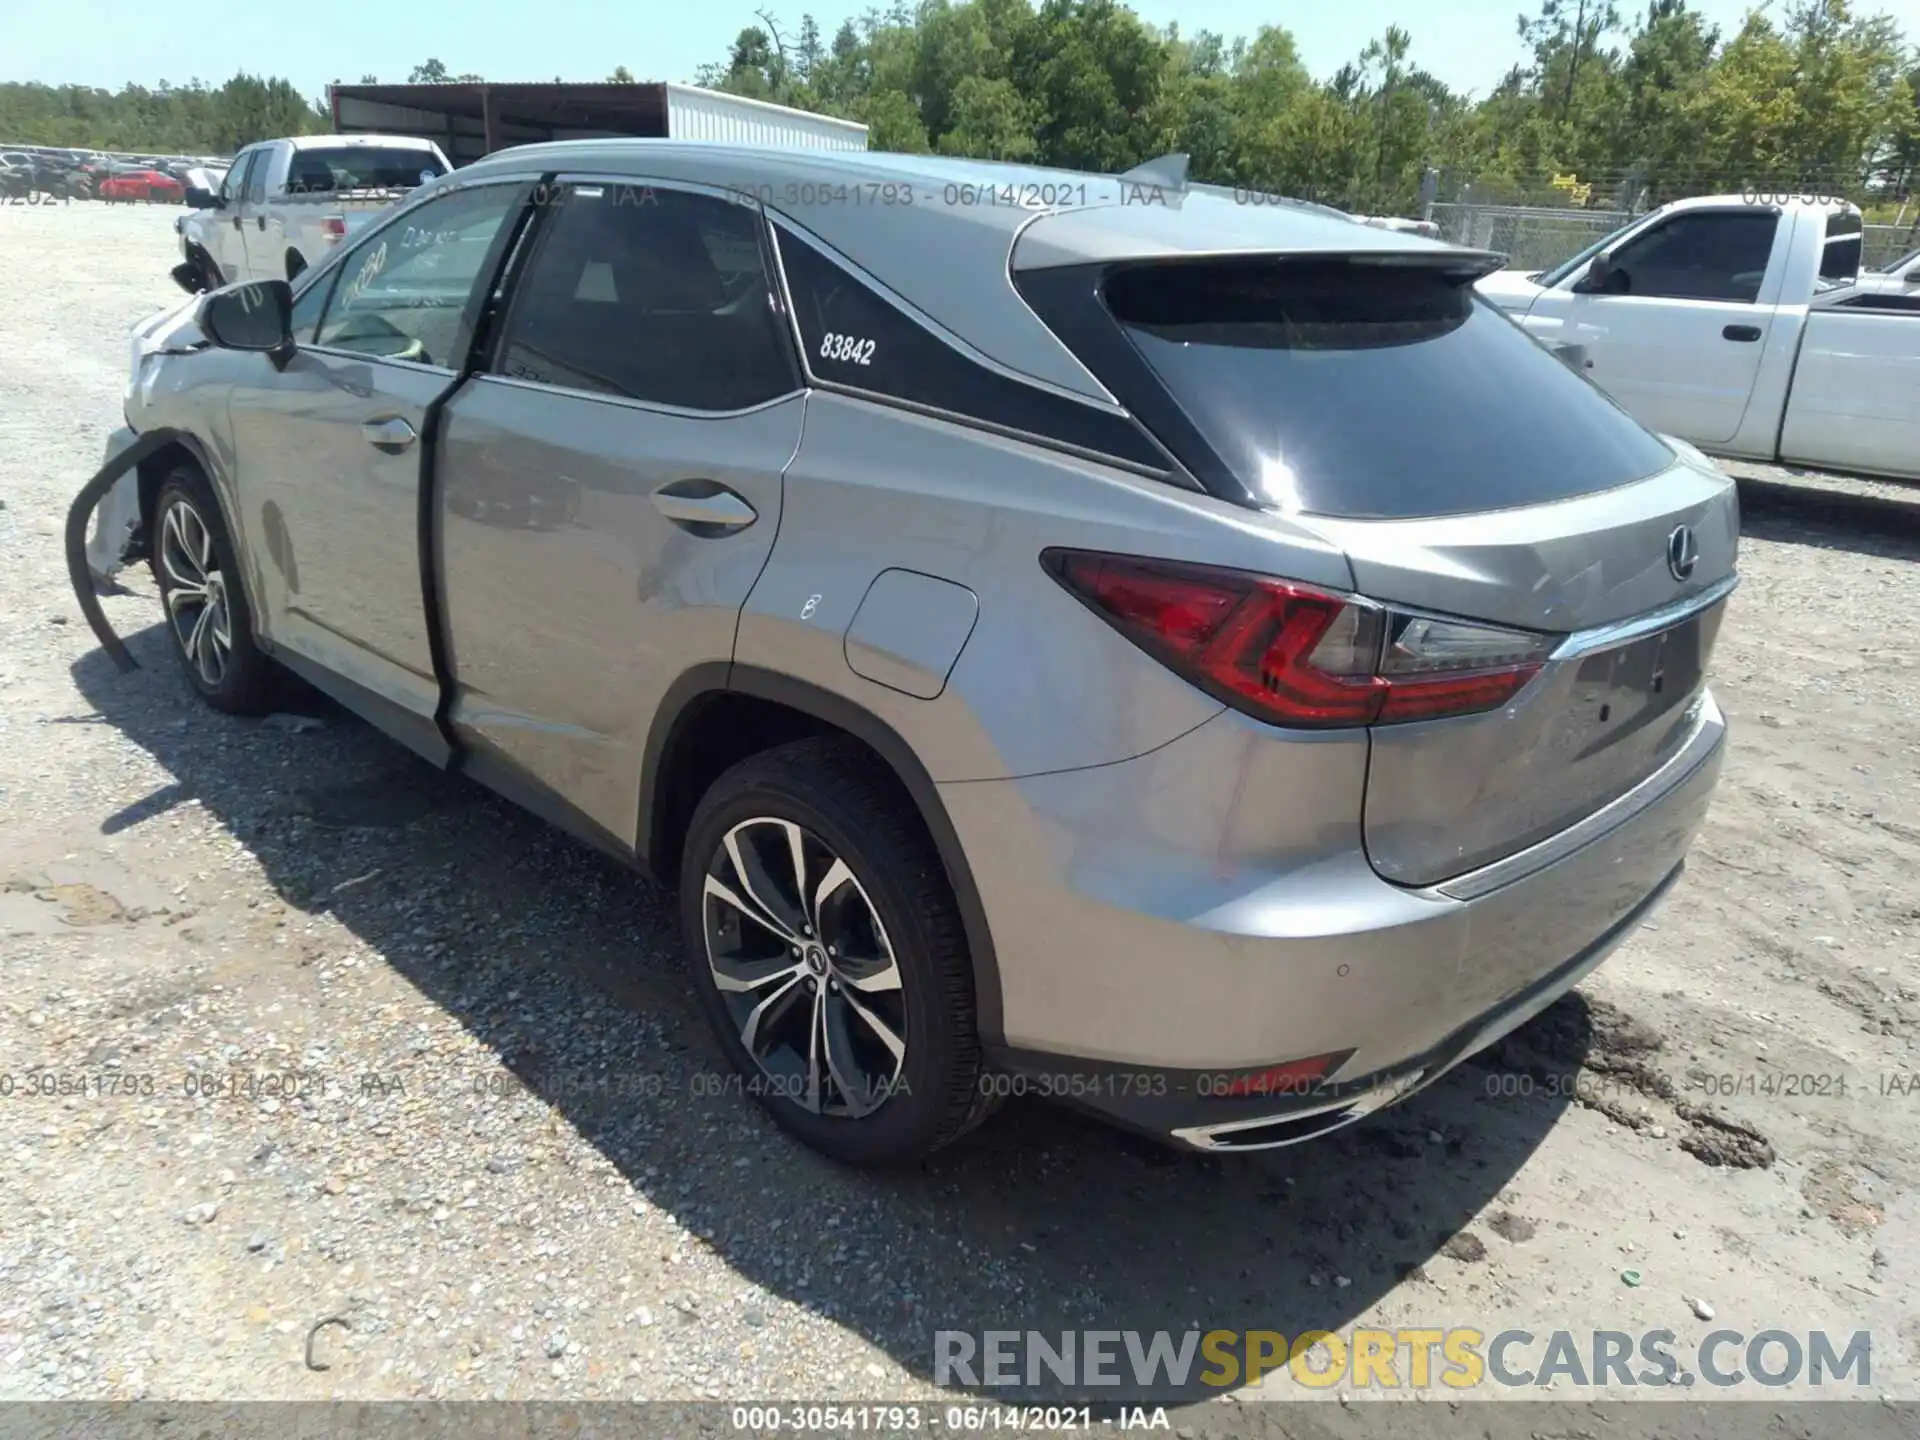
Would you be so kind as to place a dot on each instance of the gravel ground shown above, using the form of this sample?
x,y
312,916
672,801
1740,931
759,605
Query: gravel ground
x,y
497,1157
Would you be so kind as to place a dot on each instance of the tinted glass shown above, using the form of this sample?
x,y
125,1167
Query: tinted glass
x,y
1708,255
1840,255
360,167
307,306
1367,391
401,295
854,336
649,294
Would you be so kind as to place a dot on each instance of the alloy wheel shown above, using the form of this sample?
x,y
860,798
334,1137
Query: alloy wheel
x,y
196,592
805,969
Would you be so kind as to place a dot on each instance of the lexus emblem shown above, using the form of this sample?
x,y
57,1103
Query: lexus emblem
x,y
1683,553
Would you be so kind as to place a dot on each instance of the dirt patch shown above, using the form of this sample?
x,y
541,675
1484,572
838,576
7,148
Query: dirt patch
x,y
1833,1189
1516,1229
1714,1139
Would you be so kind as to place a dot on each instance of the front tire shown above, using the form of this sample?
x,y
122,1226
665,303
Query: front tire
x,y
206,604
829,955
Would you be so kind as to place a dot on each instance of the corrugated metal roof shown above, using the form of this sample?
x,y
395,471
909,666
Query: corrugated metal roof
x,y
473,118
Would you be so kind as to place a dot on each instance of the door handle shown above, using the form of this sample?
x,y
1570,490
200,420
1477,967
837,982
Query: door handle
x,y
1741,332
703,506
236,222
392,434
259,222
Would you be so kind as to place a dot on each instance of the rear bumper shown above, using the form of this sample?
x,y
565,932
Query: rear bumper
x,y
1219,967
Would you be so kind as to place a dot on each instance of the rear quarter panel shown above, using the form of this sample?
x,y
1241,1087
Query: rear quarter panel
x,y
1042,684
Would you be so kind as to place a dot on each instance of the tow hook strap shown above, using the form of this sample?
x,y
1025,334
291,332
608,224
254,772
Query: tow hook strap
x,y
79,516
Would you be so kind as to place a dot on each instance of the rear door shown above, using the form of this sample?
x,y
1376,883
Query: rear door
x,y
610,490
1678,333
330,452
1465,473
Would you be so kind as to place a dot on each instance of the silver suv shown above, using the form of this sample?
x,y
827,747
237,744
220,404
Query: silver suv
x,y
1094,637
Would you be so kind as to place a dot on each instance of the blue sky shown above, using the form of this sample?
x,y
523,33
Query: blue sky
x,y
1468,43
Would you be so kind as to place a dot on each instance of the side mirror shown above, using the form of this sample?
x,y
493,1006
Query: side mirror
x,y
253,315
1912,277
198,199
1599,271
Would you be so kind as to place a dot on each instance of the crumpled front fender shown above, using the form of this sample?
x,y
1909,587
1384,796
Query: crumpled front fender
x,y
116,486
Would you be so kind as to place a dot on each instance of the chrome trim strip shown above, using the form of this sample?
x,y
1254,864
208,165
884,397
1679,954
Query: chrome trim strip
x,y
1708,735
1605,637
630,402
1340,1112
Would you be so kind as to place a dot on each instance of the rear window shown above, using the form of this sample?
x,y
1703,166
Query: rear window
x,y
361,167
1373,391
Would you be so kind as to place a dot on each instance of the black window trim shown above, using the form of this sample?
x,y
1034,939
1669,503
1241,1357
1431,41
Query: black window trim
x,y
1778,230
511,224
1877,302
1172,471
1069,300
486,363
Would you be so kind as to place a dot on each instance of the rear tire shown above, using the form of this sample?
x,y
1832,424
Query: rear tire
x,y
868,1051
206,602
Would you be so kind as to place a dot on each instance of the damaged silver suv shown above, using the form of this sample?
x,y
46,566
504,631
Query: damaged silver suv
x,y
1066,635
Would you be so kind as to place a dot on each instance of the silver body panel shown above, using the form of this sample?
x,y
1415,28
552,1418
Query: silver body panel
x,y
515,594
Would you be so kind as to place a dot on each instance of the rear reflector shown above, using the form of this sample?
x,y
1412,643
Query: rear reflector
x,y
1297,656
1295,1077
334,227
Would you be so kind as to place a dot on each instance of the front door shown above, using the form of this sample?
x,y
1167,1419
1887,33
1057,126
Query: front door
x,y
329,455
226,241
1678,331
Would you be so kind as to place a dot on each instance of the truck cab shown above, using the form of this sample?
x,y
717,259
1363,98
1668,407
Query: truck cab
x,y
1677,312
1743,325
285,204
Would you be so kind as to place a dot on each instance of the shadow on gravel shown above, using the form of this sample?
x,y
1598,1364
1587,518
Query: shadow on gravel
x,y
1830,519
568,968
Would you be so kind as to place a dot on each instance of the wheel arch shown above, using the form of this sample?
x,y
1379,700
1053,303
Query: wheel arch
x,y
673,746
184,447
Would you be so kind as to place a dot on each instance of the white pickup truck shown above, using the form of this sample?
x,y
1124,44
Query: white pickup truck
x,y
285,204
1745,327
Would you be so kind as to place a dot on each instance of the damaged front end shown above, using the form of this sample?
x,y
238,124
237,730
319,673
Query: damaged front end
x,y
108,505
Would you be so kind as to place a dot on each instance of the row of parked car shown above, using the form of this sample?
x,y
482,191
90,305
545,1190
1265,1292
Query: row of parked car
x,y
33,172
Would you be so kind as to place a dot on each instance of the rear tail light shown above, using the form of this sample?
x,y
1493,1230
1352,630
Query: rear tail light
x,y
334,227
1296,656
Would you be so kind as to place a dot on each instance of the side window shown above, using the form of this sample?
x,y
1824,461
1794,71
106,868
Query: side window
x,y
234,185
1840,252
650,294
1707,255
854,336
401,295
307,306
257,175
